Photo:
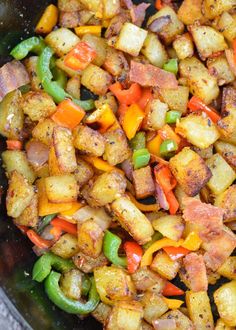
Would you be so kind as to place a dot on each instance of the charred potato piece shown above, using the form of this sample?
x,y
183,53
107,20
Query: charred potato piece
x,y
227,201
212,8
108,99
191,11
73,86
154,51
99,45
62,41
183,45
227,25
228,269
143,182
163,265
182,321
154,306
156,114
29,217
69,19
66,247
61,188
43,131
83,172
176,99
31,67
219,68
145,279
87,264
69,5
227,151
101,313
170,226
115,62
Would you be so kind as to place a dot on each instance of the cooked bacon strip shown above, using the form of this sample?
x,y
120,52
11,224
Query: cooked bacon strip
x,y
150,75
159,23
138,13
209,218
195,272
12,76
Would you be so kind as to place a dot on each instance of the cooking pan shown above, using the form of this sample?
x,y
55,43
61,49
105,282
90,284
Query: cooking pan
x,y
25,298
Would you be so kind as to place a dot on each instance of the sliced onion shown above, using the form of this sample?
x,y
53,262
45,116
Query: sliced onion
x,y
165,324
98,215
37,153
161,198
159,23
127,167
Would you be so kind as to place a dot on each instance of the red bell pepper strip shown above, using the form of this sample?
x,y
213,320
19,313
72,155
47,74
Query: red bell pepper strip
x,y
196,104
172,201
80,56
56,232
126,96
158,4
134,254
145,98
64,225
171,290
176,252
38,240
14,145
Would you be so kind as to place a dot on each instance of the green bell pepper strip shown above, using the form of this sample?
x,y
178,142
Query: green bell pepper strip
x,y
52,87
45,221
86,285
111,244
138,141
33,44
141,158
168,147
171,66
60,77
172,116
68,305
44,264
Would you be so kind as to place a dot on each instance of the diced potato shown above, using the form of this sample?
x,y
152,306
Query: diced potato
x,y
108,99
64,149
87,264
143,182
96,79
15,160
227,151
88,140
198,130
110,8
29,217
220,325
113,284
43,131
11,115
101,313
180,195
66,247
228,269
204,153
171,30
212,8
170,226
133,220
191,11
90,238
125,315
163,265
116,147
154,51
225,300
156,114
69,5
115,63
199,309
154,306
227,201
182,321
95,6
38,105
69,19
107,187
176,99
207,40
73,86
61,188
145,279
227,25
183,45
219,68
99,45
71,283
200,82
31,67
218,183
190,171
62,41
19,195
131,39
61,65
83,173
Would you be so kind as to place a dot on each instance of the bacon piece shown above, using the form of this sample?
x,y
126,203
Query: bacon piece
x,y
138,13
195,275
12,76
150,75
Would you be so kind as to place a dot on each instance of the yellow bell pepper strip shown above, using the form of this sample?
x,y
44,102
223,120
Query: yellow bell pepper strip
x,y
75,207
192,241
91,29
132,120
99,163
48,20
80,56
53,165
103,118
143,207
105,23
155,237
153,145
147,257
173,303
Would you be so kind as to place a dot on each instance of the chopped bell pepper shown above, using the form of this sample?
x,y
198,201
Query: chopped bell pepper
x,y
196,104
99,163
146,96
138,141
33,44
134,254
171,290
156,237
166,132
192,241
68,114
140,158
75,207
173,303
172,116
126,96
132,120
171,66
91,29
143,207
111,245
158,4
80,56
48,20
172,201
65,226
168,148
153,145
14,145
176,252
103,118
38,240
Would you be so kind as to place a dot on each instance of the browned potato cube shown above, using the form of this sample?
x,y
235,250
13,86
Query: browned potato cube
x,y
143,182
108,99
96,79
170,226
99,45
90,238
182,321
83,172
71,283
69,5
228,269
227,201
190,171
115,62
31,67
154,306
43,131
64,149
219,68
163,265
61,188
73,86
145,279
176,99
89,141
191,11
116,147
101,313
183,45
62,41
156,114
227,151
69,19
29,217
87,264
66,247
227,25
212,8
154,50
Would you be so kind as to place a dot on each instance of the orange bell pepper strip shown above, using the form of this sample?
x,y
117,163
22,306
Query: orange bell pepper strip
x,y
103,118
145,98
66,226
176,252
196,104
80,56
101,164
68,114
38,240
56,232
143,207
14,145
126,96
166,132
158,4
172,201
53,164
48,20
171,290
134,254
132,120
153,145
173,303
91,29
